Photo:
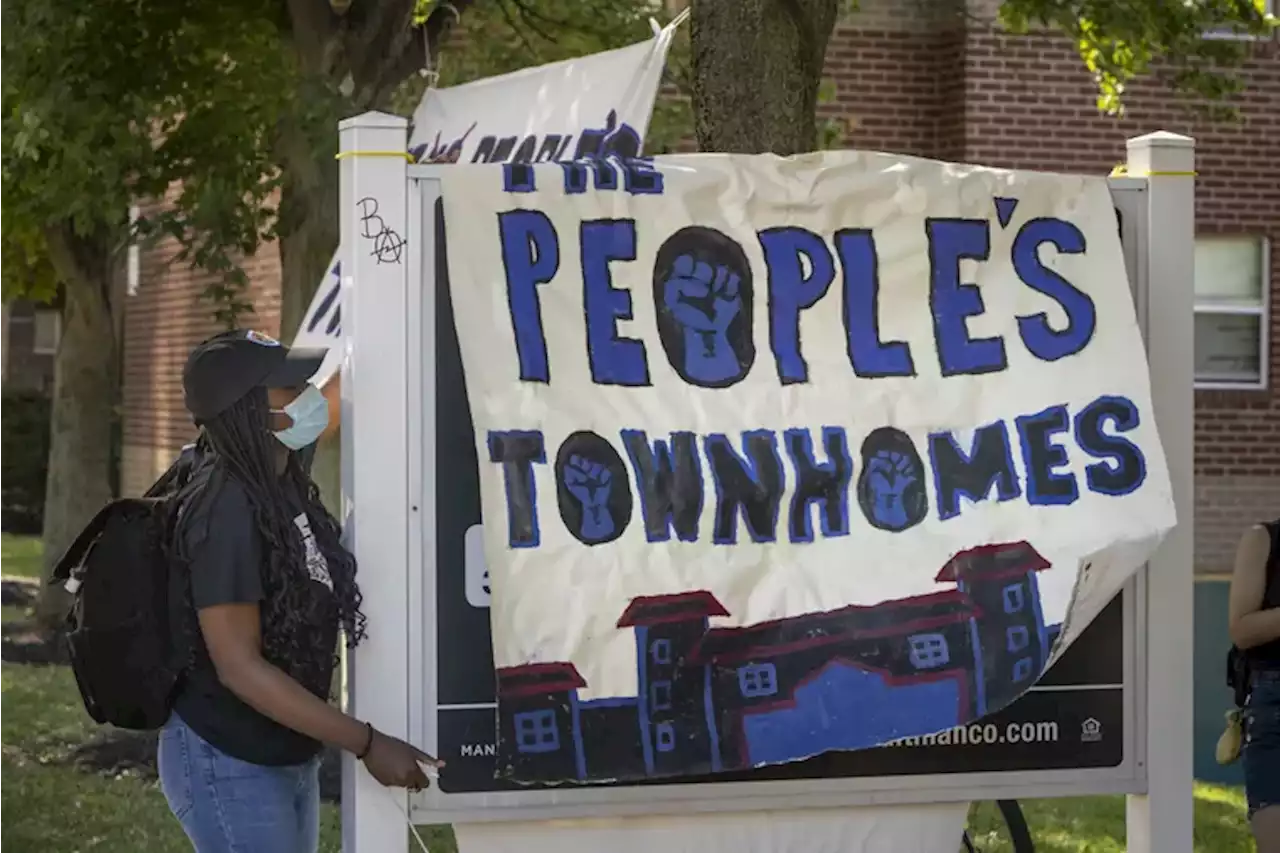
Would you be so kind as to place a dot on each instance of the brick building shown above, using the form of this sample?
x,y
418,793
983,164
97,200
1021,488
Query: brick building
x,y
923,79
30,339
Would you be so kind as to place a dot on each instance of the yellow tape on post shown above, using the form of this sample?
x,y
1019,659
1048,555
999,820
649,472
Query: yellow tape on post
x,y
1123,172
342,155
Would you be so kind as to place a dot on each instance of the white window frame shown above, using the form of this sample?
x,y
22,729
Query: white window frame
x,y
928,650
1262,311
36,347
133,257
1228,34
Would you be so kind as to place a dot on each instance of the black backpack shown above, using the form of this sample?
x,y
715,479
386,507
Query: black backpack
x,y
123,651
1238,670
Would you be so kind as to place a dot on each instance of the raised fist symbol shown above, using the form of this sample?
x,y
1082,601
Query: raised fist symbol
x,y
889,474
590,482
704,300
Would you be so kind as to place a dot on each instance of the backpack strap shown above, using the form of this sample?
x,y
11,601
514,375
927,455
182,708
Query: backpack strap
x,y
178,476
77,550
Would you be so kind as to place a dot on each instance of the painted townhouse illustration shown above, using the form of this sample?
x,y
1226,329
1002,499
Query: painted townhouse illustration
x,y
730,698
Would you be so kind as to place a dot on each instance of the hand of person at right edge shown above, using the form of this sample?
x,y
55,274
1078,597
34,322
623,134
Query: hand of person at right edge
x,y
394,763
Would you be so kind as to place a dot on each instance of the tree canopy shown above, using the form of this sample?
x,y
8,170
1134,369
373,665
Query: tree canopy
x,y
224,105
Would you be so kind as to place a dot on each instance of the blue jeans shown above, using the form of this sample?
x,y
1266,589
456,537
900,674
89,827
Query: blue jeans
x,y
1261,751
226,805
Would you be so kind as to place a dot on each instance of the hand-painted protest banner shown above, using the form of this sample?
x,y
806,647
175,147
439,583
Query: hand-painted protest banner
x,y
787,456
594,106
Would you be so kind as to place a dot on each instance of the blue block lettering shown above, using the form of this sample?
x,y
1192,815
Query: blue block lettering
x,y
825,485
669,480
575,178
791,291
614,360
952,301
518,178
972,473
516,451
1124,467
1041,455
639,177
753,485
1041,339
530,256
869,356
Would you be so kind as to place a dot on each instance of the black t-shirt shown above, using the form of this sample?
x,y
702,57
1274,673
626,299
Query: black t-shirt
x,y
1267,655
225,557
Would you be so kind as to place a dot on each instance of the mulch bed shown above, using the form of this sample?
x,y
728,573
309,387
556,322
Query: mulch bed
x,y
22,641
113,752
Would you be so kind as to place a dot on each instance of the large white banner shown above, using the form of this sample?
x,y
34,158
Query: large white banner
x,y
781,456
595,106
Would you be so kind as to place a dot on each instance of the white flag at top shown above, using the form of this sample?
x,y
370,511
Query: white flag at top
x,y
592,106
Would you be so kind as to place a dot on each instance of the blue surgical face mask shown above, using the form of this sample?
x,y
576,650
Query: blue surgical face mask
x,y
310,414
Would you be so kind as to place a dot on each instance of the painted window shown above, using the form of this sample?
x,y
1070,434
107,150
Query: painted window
x,y
1022,669
929,651
660,695
660,651
1017,637
758,679
665,737
536,731
1013,599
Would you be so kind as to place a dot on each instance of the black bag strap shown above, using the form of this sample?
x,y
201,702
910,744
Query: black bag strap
x,y
176,478
76,551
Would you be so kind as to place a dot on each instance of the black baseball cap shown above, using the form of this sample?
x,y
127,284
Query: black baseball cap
x,y
229,365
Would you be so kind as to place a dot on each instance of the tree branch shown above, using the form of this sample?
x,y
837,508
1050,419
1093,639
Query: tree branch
x,y
385,67
314,28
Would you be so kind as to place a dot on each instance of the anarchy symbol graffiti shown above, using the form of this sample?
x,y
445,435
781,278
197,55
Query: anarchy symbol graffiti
x,y
388,246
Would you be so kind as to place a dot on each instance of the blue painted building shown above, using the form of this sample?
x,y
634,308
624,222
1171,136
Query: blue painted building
x,y
711,699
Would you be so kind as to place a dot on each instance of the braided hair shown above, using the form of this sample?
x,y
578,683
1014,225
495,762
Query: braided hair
x,y
293,616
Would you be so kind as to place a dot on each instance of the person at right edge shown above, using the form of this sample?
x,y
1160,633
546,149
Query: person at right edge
x,y
262,587
1255,629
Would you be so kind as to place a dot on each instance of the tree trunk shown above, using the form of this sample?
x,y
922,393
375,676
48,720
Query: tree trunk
x,y
757,66
309,202
85,393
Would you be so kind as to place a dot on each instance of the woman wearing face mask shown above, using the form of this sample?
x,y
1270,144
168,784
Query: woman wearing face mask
x,y
263,588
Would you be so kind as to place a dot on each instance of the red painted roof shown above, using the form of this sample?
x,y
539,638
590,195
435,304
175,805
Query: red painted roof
x,y
680,607
895,618
533,679
993,562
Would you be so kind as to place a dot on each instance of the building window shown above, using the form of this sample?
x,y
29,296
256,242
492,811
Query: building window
x,y
1231,288
1017,638
48,332
536,731
929,651
660,695
1022,669
133,264
1013,599
665,737
1234,34
660,651
758,679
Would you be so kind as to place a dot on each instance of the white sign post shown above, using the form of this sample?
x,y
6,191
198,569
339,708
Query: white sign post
x,y
374,413
394,348
1161,820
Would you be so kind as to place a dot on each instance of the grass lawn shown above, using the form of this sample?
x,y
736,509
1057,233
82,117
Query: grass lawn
x,y
51,805
20,556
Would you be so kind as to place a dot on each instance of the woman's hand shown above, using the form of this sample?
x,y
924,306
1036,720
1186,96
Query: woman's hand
x,y
394,763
